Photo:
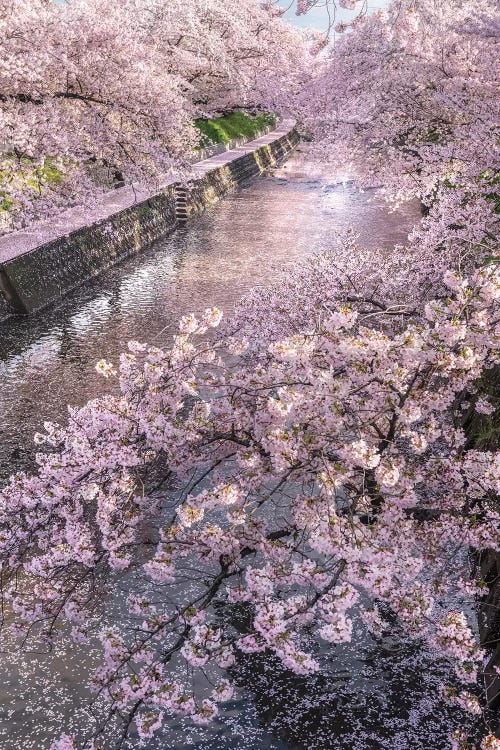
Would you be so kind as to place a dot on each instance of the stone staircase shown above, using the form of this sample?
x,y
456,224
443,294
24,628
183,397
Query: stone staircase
x,y
181,204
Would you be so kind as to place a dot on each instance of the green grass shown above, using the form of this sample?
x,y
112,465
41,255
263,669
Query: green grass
x,y
27,175
234,125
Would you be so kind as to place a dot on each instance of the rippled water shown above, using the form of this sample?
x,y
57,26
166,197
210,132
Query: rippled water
x,y
47,361
368,696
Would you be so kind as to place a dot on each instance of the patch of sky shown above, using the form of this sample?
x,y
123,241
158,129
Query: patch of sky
x,y
317,17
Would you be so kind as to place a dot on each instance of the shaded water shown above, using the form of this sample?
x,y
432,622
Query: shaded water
x,y
48,361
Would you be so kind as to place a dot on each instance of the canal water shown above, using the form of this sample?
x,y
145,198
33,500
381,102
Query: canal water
x,y
368,696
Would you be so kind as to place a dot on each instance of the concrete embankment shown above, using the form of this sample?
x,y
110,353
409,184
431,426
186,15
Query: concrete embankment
x,y
40,265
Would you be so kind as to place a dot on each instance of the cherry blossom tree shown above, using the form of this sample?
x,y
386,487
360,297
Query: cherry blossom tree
x,y
309,456
335,465
119,84
408,99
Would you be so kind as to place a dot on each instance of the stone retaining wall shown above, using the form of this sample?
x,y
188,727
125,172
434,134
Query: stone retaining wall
x,y
215,183
36,274
40,277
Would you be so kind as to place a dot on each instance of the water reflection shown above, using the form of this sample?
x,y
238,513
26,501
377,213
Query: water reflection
x,y
368,696
48,360
364,698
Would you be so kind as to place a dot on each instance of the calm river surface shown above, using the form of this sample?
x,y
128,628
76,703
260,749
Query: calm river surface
x,y
368,696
